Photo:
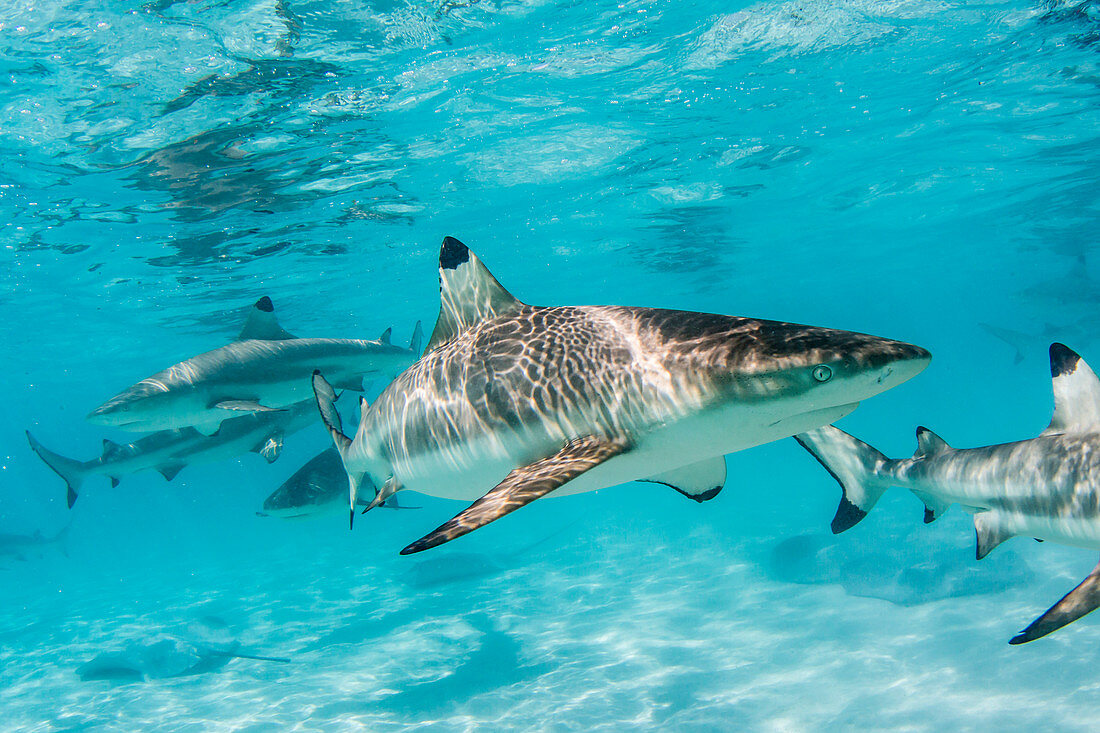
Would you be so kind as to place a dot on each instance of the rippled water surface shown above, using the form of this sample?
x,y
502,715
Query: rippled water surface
x,y
910,169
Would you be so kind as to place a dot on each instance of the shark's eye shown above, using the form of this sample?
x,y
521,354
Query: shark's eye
x,y
822,373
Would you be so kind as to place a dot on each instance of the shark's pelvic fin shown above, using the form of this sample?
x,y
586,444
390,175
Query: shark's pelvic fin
x,y
169,470
385,337
929,444
71,471
468,293
855,466
244,406
1076,393
1081,600
270,447
330,416
700,481
262,324
522,486
991,530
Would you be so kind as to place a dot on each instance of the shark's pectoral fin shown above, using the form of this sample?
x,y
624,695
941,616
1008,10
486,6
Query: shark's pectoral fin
x,y
244,406
169,470
1081,600
991,530
522,486
700,481
271,447
933,507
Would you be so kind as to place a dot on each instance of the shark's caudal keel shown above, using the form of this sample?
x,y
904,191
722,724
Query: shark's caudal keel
x,y
512,402
1047,487
267,369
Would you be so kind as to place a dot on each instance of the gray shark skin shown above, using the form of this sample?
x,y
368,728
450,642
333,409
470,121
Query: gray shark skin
x,y
168,451
1047,487
314,489
17,545
266,369
512,402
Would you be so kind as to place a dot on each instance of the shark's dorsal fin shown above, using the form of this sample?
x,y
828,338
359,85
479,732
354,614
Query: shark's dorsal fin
x,y
262,324
929,444
468,293
1076,393
385,337
110,449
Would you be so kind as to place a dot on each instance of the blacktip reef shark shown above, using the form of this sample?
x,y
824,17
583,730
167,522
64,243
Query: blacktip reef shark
x,y
512,401
265,370
314,489
1047,487
169,451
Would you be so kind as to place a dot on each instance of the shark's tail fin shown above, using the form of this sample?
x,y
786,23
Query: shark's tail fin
x,y
73,472
330,416
856,466
417,341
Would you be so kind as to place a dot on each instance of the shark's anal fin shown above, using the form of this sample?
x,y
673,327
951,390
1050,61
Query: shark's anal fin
x,y
169,470
270,447
262,323
933,507
700,481
1076,393
468,293
522,486
1083,599
244,406
991,530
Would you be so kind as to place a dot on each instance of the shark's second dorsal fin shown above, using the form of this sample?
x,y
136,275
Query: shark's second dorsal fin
x,y
1076,393
468,293
929,444
262,324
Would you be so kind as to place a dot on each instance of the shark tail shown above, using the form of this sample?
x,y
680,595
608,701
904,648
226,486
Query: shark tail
x,y
73,472
856,466
330,416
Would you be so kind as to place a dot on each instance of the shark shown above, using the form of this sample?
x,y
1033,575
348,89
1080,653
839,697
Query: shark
x,y
264,370
1046,487
169,451
18,545
512,402
314,489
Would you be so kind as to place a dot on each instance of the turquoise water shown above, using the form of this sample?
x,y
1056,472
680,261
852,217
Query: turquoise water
x,y
908,169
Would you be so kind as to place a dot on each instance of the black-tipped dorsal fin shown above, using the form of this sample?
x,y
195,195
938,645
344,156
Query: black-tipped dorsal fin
x,y
262,323
1076,393
468,293
385,337
1083,599
929,444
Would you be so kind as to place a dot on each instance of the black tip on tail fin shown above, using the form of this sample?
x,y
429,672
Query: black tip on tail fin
x,y
452,254
847,516
72,472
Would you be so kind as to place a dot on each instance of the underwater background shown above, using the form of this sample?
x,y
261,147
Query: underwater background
x,y
908,169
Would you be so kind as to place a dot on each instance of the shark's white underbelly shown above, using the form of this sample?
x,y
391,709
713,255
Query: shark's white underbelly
x,y
481,464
